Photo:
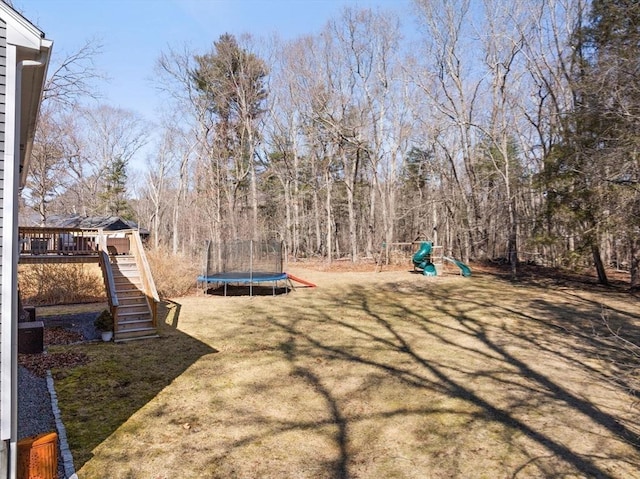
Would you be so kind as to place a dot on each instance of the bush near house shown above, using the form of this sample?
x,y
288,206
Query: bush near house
x,y
60,283
174,274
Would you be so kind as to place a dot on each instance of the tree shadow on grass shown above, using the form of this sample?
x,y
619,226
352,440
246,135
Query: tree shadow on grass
x,y
389,350
97,398
467,380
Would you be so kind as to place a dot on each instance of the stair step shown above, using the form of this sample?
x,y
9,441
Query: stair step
x,y
125,300
135,316
126,296
137,330
135,338
128,288
122,259
135,326
122,277
141,319
138,300
129,299
125,271
131,310
125,267
126,280
127,321
136,333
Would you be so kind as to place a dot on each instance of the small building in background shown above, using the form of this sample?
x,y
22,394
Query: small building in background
x,y
106,223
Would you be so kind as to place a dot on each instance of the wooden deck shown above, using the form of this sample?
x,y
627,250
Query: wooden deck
x,y
131,292
67,245
54,258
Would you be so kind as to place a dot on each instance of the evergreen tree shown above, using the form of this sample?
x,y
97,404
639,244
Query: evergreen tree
x,y
591,176
114,192
231,84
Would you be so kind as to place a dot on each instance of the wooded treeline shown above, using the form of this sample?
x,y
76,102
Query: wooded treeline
x,y
499,129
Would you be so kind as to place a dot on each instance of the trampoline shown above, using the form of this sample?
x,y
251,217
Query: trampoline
x,y
224,279
243,263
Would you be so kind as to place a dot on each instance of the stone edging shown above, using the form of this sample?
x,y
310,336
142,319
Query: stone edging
x,y
67,457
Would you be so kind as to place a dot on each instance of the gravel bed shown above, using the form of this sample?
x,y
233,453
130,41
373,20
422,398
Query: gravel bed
x,y
80,323
34,405
35,414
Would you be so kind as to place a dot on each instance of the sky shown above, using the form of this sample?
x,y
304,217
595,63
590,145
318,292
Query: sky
x,y
135,32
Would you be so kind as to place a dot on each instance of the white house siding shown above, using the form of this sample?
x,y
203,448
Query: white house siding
x,y
4,459
24,57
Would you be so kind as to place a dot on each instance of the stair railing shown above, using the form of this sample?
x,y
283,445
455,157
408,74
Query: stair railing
x,y
109,281
148,285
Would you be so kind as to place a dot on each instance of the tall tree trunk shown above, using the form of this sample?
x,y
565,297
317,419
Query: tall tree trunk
x,y
371,228
513,238
296,206
254,184
317,221
329,217
597,260
287,213
181,199
634,253
351,173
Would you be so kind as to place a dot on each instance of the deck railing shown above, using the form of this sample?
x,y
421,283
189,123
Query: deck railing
x,y
58,241
148,285
109,281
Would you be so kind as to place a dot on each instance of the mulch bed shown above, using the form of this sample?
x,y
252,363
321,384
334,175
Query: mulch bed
x,y
38,364
55,335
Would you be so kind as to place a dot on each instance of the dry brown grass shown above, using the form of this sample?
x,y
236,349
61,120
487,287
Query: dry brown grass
x,y
391,375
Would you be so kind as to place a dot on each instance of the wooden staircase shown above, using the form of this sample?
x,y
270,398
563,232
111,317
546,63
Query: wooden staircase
x,y
134,318
131,292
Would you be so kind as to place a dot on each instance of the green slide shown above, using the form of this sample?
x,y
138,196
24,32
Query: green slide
x,y
464,269
422,259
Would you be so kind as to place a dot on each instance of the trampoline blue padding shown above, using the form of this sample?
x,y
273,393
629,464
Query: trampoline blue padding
x,y
241,277
249,278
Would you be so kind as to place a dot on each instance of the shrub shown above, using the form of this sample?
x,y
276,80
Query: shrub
x,y
104,322
174,274
60,283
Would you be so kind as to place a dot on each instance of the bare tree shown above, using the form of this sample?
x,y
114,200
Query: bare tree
x,y
72,78
109,139
46,175
452,87
71,81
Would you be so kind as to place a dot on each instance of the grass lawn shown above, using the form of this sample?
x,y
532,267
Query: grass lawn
x,y
388,375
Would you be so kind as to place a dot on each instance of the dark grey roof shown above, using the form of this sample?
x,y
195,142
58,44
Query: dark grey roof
x,y
108,223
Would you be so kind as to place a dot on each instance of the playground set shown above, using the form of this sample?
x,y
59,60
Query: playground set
x,y
249,263
245,263
425,260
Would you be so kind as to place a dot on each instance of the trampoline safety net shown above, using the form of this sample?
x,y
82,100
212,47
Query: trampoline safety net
x,y
245,257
